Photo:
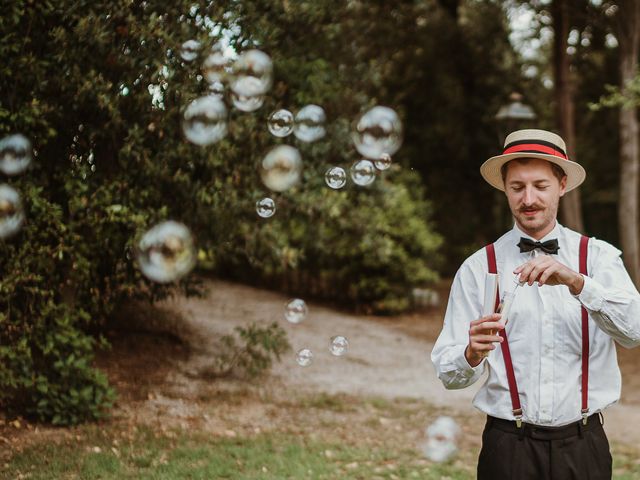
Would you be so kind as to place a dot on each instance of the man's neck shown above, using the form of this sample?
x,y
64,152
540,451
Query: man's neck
x,y
538,234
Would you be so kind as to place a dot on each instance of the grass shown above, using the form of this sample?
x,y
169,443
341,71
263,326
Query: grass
x,y
195,456
307,437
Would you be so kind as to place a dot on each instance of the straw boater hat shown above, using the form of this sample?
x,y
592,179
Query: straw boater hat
x,y
533,144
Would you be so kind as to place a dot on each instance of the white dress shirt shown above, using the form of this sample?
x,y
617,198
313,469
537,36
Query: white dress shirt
x,y
544,332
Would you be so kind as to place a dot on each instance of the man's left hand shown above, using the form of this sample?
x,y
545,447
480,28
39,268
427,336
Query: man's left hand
x,y
546,270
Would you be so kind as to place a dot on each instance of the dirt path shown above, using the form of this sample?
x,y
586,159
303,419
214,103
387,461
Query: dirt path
x,y
387,357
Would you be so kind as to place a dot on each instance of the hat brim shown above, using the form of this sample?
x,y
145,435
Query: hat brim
x,y
491,169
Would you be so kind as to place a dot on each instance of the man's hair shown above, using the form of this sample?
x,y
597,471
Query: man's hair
x,y
557,170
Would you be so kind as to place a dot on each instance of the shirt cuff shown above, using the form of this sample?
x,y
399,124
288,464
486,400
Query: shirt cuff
x,y
462,363
592,295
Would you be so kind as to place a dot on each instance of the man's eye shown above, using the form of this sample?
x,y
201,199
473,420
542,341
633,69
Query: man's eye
x,y
516,189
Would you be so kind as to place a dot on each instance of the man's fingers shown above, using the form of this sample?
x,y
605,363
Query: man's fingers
x,y
494,317
482,347
487,338
547,274
485,327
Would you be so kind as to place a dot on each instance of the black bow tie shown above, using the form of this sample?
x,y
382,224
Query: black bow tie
x,y
550,246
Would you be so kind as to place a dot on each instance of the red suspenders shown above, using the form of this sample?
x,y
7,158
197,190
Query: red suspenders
x,y
584,244
506,353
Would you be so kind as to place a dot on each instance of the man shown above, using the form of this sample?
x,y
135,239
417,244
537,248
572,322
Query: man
x,y
552,368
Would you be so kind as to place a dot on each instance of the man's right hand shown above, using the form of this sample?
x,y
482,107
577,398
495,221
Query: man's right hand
x,y
483,333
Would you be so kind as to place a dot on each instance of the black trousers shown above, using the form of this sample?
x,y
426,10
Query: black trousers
x,y
575,451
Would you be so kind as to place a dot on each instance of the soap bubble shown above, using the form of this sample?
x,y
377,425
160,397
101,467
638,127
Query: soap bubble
x,y
189,50
378,131
15,154
338,346
11,211
281,168
440,443
384,162
266,207
166,252
216,89
252,74
363,173
296,310
214,65
335,177
304,357
309,123
205,120
280,123
247,103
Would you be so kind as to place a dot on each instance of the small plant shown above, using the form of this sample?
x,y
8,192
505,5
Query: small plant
x,y
250,353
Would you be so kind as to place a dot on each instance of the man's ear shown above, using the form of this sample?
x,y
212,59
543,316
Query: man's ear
x,y
563,185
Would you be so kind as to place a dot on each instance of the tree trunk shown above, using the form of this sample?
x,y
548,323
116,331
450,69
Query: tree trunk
x,y
570,207
628,23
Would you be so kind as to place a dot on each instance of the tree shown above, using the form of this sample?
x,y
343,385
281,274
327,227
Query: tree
x,y
100,88
628,34
564,104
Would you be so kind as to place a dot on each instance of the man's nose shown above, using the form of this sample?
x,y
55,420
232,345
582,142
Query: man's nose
x,y
529,195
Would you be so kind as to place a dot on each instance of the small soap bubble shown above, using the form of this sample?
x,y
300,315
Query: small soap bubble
x,y
296,310
205,120
214,66
266,207
189,50
166,252
304,357
280,123
338,346
247,103
384,162
252,74
309,123
11,211
376,132
335,177
281,168
363,173
441,437
15,154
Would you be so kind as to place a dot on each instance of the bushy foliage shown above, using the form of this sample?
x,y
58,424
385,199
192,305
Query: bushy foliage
x,y
99,88
251,351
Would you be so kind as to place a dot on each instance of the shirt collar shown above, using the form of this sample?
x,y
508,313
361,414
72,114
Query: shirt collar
x,y
554,233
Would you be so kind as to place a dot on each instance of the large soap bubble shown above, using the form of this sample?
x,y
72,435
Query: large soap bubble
x,y
377,132
205,120
252,74
166,252
281,168
441,436
214,66
189,50
11,211
309,123
15,154
363,173
280,123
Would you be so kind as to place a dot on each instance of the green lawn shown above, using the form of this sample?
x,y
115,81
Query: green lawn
x,y
194,456
319,436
